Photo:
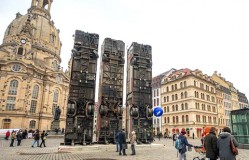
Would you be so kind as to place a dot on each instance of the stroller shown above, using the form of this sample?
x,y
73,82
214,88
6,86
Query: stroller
x,y
201,151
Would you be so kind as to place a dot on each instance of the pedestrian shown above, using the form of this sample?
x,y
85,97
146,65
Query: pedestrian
x,y
36,138
210,144
122,142
174,138
13,137
224,145
43,138
62,131
159,136
7,135
132,141
193,135
19,137
117,141
183,143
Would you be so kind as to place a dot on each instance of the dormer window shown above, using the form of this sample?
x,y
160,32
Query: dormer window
x,y
20,51
52,38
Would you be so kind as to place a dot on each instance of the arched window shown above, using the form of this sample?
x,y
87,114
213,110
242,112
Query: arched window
x,y
174,119
173,97
13,87
177,120
186,106
11,99
175,86
197,94
167,108
172,87
167,89
176,96
55,101
176,107
165,120
164,98
168,120
182,95
182,106
181,85
173,108
185,94
164,109
20,51
185,84
35,92
182,118
194,83
167,98
32,124
186,118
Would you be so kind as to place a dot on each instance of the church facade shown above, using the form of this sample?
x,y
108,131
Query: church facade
x,y
32,84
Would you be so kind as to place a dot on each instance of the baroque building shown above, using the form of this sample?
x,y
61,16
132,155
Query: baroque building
x,y
156,99
32,83
189,102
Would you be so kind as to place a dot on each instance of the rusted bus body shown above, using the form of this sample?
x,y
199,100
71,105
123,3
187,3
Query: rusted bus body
x,y
139,92
80,111
110,89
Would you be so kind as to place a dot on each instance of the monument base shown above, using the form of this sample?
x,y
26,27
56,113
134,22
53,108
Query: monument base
x,y
55,126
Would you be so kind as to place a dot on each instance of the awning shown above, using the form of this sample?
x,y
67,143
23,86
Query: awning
x,y
173,129
183,129
187,129
177,129
199,129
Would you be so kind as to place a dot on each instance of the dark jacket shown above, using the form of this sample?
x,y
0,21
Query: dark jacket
x,y
37,136
122,138
210,144
185,143
223,144
117,136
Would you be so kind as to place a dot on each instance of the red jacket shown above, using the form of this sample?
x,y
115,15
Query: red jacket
x,y
7,133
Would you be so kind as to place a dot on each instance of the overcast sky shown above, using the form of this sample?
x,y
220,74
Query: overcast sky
x,y
210,35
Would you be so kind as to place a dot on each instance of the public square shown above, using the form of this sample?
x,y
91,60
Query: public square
x,y
159,150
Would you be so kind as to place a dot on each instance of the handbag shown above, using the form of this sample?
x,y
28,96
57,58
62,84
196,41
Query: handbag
x,y
234,149
124,146
189,148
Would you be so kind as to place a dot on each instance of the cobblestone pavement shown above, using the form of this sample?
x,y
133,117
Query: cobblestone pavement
x,y
160,150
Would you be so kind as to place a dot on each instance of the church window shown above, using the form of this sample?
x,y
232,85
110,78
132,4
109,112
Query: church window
x,y
56,95
20,51
33,106
54,65
10,103
16,67
35,92
52,38
13,87
32,124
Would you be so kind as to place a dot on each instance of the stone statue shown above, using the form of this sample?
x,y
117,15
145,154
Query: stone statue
x,y
57,113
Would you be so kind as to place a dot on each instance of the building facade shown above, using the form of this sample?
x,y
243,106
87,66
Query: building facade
x,y
156,99
189,102
243,101
32,83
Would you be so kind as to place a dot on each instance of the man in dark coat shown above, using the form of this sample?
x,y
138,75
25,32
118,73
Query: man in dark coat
x,y
210,144
122,140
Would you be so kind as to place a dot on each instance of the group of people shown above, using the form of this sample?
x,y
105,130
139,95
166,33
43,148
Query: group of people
x,y
19,135
121,144
214,146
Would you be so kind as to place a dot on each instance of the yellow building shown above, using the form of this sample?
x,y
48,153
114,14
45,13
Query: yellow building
x,y
189,102
31,81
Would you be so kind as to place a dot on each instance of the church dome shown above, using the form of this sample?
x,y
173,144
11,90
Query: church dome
x,y
35,31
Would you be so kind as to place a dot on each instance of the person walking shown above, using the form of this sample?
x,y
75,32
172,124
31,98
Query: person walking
x,y
43,138
36,138
117,141
19,137
193,135
224,145
132,141
7,135
210,145
13,137
183,143
174,138
159,135
122,142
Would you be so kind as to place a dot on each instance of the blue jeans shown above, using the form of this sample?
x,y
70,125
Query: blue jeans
x,y
182,156
36,141
117,146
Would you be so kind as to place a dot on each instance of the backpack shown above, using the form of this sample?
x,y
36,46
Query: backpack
x,y
178,144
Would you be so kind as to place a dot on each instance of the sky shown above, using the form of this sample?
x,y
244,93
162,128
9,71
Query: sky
x,y
210,35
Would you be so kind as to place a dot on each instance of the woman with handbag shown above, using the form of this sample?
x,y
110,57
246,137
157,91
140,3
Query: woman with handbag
x,y
227,145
